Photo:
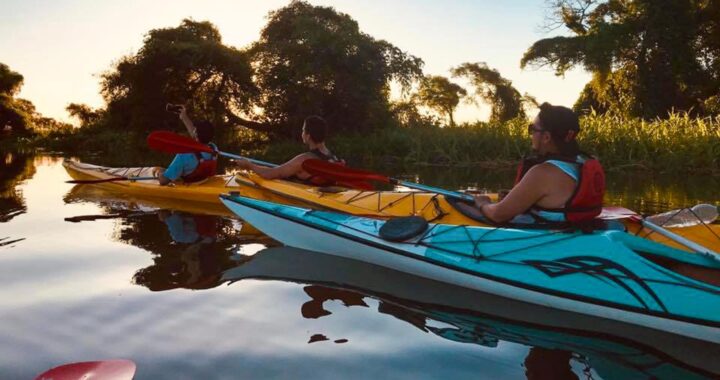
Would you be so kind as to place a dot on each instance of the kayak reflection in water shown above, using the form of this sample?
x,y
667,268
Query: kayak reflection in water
x,y
190,167
314,131
540,363
193,260
558,183
543,363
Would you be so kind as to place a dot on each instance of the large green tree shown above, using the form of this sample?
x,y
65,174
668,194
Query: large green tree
x,y
439,94
187,64
647,57
505,101
315,60
15,114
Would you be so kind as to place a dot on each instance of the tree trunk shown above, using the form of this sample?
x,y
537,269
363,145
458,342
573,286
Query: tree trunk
x,y
254,125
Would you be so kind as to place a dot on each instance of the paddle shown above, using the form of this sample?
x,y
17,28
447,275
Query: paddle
x,y
113,179
169,142
117,369
343,173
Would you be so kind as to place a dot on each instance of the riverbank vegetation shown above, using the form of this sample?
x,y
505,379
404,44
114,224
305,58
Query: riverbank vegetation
x,y
680,143
652,103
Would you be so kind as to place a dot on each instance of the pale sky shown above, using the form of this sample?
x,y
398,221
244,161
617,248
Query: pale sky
x,y
61,46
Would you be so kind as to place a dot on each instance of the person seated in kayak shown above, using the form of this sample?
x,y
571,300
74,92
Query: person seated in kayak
x,y
190,167
557,184
314,131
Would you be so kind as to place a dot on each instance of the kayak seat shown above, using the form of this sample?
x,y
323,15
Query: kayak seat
x,y
403,228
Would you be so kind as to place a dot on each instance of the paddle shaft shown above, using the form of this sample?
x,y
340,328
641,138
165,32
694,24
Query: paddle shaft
x,y
114,179
431,189
254,161
681,240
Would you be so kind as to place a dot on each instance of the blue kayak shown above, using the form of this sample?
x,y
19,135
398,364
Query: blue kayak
x,y
607,273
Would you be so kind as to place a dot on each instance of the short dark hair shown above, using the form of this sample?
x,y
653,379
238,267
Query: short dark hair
x,y
563,125
316,127
205,131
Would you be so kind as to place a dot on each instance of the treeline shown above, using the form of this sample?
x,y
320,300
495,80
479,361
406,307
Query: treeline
x,y
18,117
648,60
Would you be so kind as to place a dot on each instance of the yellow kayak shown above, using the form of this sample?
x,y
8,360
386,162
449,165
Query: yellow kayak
x,y
383,204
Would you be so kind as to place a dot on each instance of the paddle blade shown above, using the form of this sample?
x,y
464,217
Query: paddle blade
x,y
105,369
337,172
615,212
169,142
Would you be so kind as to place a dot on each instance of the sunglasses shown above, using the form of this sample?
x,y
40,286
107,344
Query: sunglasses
x,y
532,129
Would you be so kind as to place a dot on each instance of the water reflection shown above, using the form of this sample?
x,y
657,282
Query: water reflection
x,y
189,250
14,168
558,348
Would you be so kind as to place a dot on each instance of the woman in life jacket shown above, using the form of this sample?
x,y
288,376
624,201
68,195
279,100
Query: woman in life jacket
x,y
314,131
557,184
191,167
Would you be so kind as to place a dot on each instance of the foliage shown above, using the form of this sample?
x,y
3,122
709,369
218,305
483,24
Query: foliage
x,y
187,64
647,57
407,114
15,114
439,94
85,115
18,117
314,60
505,101
10,81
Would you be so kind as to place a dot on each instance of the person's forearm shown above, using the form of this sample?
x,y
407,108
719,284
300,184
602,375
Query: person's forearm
x,y
263,171
189,125
490,212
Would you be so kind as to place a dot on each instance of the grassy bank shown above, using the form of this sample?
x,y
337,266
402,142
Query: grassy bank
x,y
678,144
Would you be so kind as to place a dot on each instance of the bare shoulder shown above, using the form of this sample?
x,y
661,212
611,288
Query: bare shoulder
x,y
542,179
538,172
543,172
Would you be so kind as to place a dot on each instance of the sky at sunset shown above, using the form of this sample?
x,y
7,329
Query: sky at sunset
x,y
61,46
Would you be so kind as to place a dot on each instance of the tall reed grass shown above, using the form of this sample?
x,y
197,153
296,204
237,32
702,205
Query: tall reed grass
x,y
677,144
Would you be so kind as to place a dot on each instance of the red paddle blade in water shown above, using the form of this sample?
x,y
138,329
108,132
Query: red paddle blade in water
x,y
119,369
169,142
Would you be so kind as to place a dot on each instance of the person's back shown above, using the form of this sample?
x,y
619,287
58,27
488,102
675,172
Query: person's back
x,y
314,131
558,184
191,167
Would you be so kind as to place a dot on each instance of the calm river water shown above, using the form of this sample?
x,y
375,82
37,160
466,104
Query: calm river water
x,y
89,275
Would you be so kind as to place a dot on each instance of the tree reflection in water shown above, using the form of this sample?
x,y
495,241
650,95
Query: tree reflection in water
x,y
14,168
